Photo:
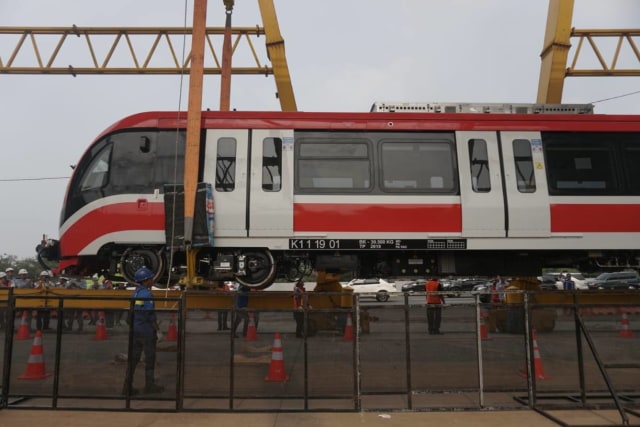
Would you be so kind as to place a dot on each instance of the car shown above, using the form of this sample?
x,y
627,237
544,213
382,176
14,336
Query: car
x,y
555,281
415,286
376,286
484,289
615,280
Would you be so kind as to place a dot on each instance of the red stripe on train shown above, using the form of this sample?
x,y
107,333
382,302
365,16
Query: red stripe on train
x,y
595,218
352,217
111,219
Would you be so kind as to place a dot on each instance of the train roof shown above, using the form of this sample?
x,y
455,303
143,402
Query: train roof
x,y
383,121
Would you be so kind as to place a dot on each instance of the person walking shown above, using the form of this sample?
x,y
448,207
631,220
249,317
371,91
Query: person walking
x,y
434,306
145,333
298,307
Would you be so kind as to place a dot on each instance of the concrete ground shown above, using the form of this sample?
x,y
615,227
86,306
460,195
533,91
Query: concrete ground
x,y
522,418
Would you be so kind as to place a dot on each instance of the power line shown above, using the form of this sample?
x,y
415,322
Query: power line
x,y
33,179
616,97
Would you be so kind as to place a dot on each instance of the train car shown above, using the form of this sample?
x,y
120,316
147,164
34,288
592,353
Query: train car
x,y
403,190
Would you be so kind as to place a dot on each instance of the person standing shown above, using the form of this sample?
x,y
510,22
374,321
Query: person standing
x,y
145,333
43,317
434,306
10,279
298,307
241,315
567,283
223,315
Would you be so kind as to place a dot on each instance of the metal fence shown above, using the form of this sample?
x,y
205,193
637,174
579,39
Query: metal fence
x,y
371,356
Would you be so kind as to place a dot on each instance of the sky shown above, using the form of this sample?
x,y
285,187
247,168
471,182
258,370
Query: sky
x,y
343,55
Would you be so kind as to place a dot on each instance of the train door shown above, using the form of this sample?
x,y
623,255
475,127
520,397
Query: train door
x,y
271,183
481,193
525,185
226,164
251,172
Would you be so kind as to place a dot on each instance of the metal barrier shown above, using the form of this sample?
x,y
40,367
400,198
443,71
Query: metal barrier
x,y
369,356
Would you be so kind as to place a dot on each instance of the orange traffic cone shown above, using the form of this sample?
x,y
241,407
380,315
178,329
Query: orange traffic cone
x,y
348,329
24,330
276,369
252,333
626,331
101,329
484,334
35,365
537,362
172,331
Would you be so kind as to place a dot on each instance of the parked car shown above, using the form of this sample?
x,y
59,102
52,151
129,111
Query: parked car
x,y
415,286
484,289
378,287
615,280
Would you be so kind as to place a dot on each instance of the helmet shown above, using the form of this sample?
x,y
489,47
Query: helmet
x,y
44,273
9,269
143,274
22,271
95,276
3,274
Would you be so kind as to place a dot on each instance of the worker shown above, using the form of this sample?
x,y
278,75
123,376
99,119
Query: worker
x,y
298,307
145,333
434,306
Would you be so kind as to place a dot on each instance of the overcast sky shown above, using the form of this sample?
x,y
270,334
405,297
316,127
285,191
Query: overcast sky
x,y
343,55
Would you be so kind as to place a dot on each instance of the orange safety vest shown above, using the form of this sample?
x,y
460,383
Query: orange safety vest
x,y
433,286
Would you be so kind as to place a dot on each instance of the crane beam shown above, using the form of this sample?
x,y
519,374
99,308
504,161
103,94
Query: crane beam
x,y
118,50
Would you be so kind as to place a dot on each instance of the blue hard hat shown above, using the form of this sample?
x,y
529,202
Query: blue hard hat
x,y
143,274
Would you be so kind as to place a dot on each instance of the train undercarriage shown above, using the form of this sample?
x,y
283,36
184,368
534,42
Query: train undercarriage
x,y
259,267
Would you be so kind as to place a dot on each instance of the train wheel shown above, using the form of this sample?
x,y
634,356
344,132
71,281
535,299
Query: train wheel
x,y
134,258
260,270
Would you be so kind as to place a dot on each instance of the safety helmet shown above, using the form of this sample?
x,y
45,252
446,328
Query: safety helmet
x,y
95,277
3,274
22,271
143,274
44,273
9,269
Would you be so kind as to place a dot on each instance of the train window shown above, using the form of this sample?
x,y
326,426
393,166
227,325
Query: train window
x,y
631,159
272,164
169,164
582,163
424,166
331,166
132,168
226,165
523,159
96,175
479,164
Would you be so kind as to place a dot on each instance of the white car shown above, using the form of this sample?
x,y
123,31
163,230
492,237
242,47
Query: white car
x,y
379,288
577,278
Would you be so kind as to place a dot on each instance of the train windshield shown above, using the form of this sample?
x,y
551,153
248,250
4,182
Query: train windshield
x,y
133,162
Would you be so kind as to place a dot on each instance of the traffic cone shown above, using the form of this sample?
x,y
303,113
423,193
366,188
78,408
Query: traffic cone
x,y
35,365
484,333
537,362
252,333
101,329
348,329
626,331
276,369
24,330
172,331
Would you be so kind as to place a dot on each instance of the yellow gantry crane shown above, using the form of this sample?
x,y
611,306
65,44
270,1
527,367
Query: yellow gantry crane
x,y
557,43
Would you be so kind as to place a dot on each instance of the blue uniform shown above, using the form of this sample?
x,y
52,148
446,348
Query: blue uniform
x,y
144,316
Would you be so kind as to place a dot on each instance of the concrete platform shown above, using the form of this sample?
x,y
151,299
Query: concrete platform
x,y
523,418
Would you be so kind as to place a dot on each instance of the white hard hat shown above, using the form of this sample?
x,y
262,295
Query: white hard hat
x,y
44,273
9,269
3,274
95,276
22,271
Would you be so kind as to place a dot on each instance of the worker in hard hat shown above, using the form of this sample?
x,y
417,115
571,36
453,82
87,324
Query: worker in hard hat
x,y
44,315
145,333
23,281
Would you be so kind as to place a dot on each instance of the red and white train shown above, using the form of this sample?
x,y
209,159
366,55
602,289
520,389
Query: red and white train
x,y
405,190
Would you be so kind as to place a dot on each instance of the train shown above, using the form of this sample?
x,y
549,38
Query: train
x,y
403,190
